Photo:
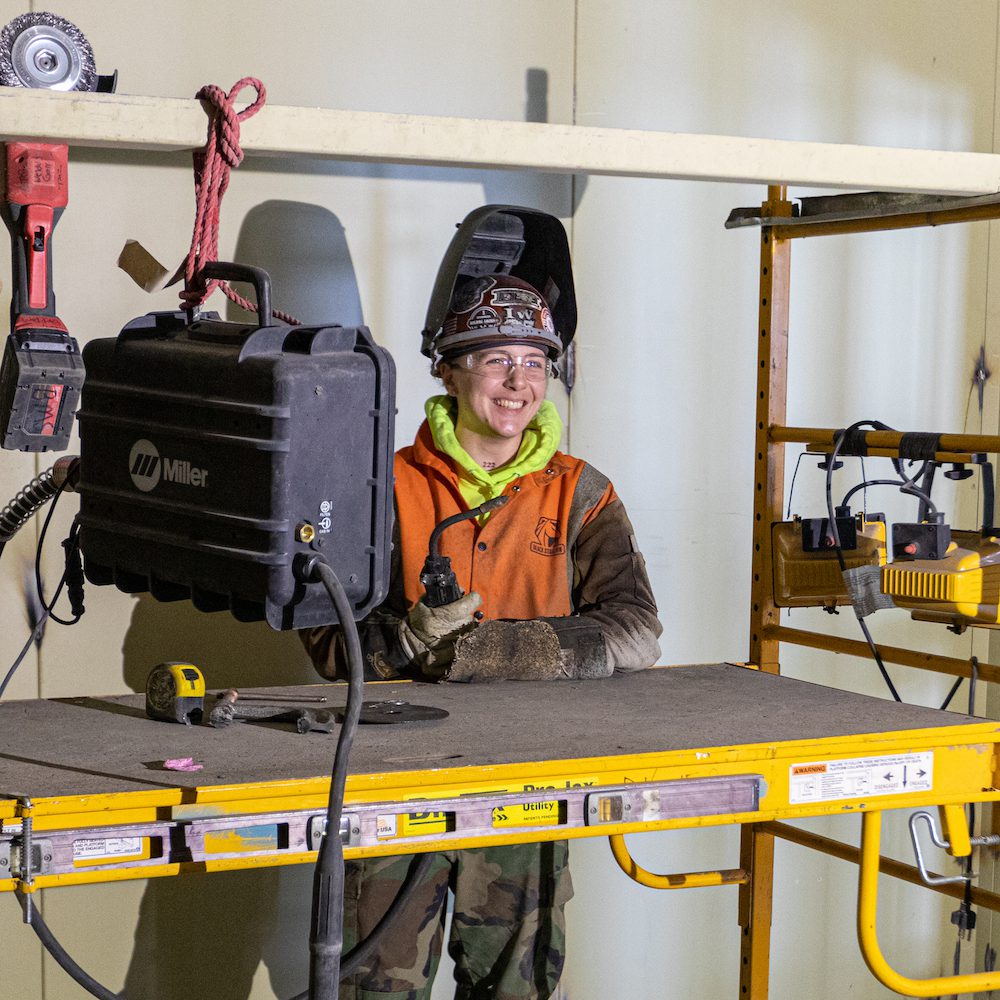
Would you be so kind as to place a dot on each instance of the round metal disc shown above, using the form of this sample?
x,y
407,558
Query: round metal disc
x,y
390,712
44,51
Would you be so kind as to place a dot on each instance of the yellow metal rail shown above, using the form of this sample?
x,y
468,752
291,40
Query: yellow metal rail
x,y
871,832
678,880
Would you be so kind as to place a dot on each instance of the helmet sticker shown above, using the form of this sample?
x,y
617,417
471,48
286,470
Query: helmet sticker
x,y
483,318
516,296
467,295
520,315
492,308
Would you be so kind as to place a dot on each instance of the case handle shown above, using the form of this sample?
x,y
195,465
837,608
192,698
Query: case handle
x,y
221,270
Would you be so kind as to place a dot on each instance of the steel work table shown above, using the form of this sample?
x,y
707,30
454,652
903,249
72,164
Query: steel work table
x,y
513,762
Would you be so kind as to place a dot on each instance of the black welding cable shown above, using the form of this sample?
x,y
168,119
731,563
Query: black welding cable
x,y
327,935
62,957
72,546
363,951
791,489
326,938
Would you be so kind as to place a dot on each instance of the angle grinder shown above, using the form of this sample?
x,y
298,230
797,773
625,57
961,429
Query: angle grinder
x,y
42,370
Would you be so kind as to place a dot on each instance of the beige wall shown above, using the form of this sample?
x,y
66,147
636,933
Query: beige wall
x,y
882,327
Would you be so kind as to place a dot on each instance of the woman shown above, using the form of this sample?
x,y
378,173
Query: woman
x,y
554,587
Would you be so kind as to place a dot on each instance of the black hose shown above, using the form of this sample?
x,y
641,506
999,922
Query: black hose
x,y
908,487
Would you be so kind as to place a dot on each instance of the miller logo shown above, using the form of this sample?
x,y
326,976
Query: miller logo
x,y
547,538
147,468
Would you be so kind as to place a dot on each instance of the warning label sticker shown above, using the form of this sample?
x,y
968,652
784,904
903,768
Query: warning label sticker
x,y
825,781
111,847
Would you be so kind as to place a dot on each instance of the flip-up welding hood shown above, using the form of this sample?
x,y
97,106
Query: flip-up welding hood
x,y
505,239
215,455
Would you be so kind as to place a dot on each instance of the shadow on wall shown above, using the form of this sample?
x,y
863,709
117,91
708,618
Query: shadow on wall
x,y
314,279
304,249
254,915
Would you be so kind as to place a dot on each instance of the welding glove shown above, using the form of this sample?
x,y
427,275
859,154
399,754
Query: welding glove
x,y
540,649
428,635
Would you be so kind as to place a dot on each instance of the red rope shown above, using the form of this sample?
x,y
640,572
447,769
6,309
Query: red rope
x,y
212,165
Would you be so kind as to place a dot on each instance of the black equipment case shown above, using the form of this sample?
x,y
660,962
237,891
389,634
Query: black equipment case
x,y
213,453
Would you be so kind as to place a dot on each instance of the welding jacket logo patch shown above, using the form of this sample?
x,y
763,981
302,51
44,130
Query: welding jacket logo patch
x,y
547,536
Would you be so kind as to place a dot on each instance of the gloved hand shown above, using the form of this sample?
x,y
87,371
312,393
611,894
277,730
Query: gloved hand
x,y
540,649
428,635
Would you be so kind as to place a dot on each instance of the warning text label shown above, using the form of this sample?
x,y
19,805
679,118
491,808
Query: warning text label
x,y
825,781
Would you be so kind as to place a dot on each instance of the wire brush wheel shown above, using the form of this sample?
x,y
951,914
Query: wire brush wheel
x,y
45,51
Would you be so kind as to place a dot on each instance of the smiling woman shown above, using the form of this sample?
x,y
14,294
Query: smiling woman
x,y
553,587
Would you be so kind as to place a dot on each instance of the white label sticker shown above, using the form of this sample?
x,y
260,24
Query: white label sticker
x,y
385,826
823,781
109,848
324,522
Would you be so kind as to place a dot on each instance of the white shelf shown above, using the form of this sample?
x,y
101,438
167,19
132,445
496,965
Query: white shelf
x,y
154,123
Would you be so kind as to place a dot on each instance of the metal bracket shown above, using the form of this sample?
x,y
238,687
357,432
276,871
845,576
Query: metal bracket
x,y
13,855
987,840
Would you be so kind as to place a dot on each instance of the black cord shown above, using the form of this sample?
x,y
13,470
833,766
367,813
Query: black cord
x,y
908,486
71,551
36,634
831,514
791,489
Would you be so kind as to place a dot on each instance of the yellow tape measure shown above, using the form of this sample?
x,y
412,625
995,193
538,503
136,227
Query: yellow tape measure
x,y
175,692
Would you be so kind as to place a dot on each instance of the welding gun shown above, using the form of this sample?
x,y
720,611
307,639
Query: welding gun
x,y
438,578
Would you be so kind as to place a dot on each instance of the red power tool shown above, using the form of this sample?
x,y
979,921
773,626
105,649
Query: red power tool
x,y
42,370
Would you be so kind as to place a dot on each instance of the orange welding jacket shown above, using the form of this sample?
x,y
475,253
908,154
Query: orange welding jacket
x,y
518,561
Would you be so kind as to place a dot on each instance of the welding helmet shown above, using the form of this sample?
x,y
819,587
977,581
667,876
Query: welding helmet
x,y
494,310
506,277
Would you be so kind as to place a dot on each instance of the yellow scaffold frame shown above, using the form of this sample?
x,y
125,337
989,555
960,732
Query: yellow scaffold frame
x,y
779,227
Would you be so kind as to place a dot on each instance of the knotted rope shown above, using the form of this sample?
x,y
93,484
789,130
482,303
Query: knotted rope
x,y
212,165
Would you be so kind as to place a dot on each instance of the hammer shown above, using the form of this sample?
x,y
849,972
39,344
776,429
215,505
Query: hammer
x,y
307,720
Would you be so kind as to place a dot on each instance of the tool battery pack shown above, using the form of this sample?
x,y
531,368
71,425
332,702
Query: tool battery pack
x,y
807,573
212,454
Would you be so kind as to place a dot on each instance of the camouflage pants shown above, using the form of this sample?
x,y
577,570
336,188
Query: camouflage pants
x,y
507,934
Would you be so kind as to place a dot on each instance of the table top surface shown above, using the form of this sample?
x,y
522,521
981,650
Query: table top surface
x,y
101,745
